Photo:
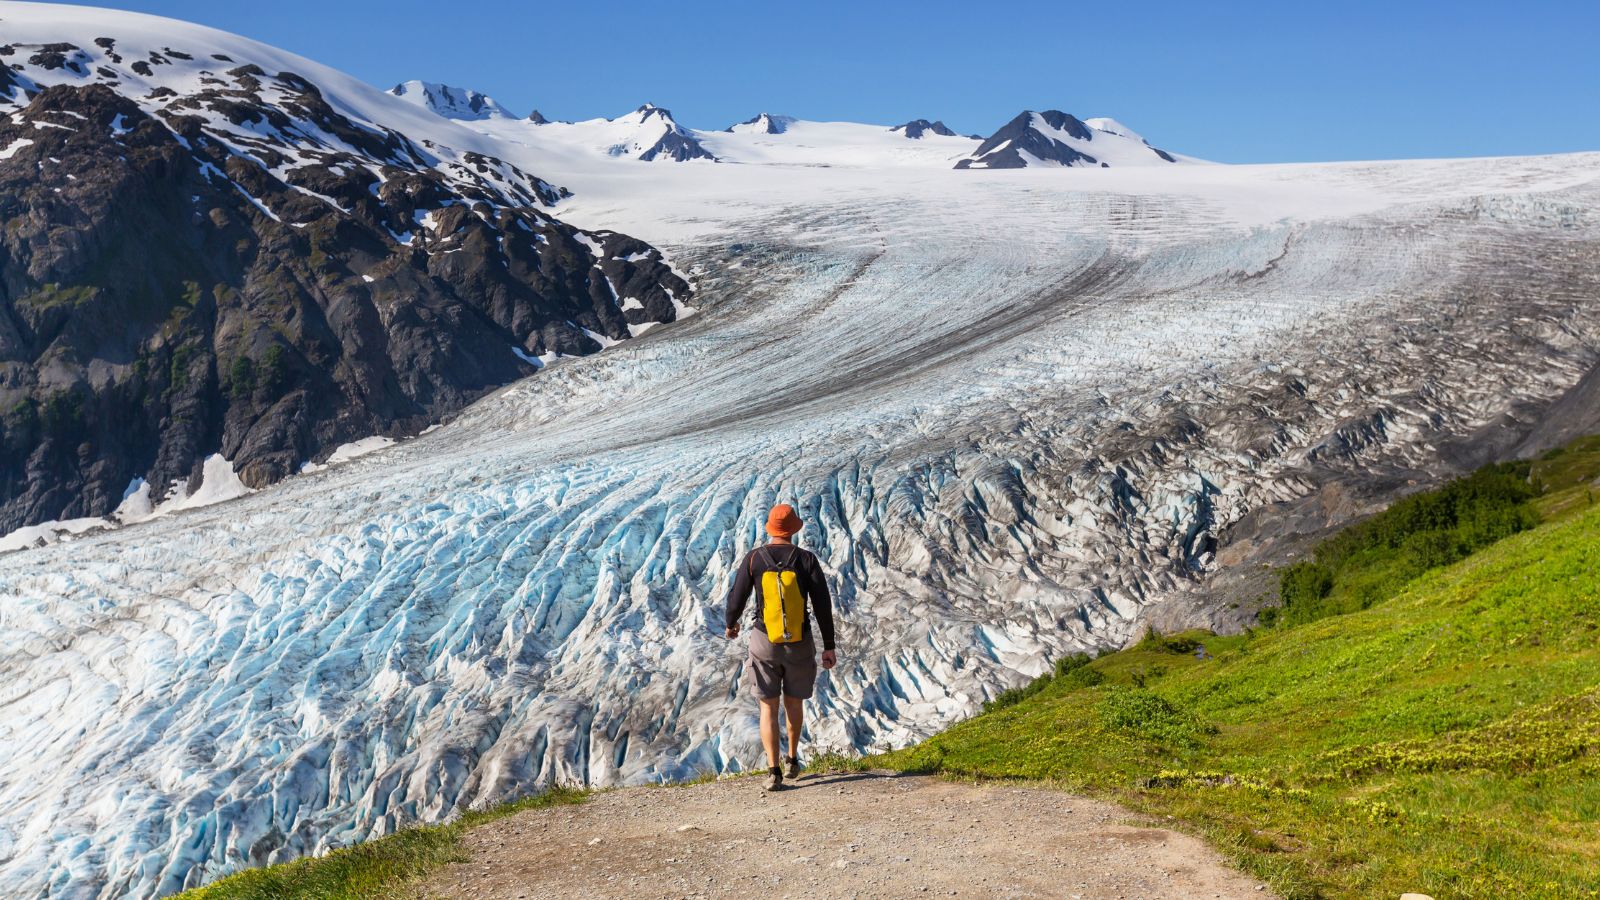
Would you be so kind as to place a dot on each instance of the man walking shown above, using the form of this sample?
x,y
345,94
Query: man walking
x,y
783,655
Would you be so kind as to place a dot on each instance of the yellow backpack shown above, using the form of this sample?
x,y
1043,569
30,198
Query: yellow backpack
x,y
783,608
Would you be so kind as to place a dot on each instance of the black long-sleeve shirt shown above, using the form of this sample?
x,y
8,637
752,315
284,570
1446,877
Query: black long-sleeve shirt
x,y
808,572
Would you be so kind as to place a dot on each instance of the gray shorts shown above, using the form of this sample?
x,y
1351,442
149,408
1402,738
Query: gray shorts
x,y
787,669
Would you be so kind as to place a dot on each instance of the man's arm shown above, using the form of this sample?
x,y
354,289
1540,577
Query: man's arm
x,y
821,602
738,596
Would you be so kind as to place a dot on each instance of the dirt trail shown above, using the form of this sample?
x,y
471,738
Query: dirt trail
x,y
842,835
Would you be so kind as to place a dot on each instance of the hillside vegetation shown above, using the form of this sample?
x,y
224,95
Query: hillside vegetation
x,y
1425,716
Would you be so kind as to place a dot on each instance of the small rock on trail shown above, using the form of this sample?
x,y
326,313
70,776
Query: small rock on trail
x,y
871,834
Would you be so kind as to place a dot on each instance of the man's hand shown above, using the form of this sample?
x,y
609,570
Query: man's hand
x,y
828,659
733,631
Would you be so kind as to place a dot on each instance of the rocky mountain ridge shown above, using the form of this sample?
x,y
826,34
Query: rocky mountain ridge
x,y
650,133
762,123
916,128
1055,138
453,103
207,257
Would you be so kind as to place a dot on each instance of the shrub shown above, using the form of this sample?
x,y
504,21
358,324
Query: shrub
x,y
1369,562
64,418
23,419
1150,716
1079,678
1071,663
1304,583
274,372
242,378
178,367
1016,695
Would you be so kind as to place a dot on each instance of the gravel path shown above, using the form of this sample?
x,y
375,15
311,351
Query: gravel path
x,y
836,835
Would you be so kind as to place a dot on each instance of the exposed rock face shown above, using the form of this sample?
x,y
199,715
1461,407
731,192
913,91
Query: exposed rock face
x,y
1001,149
451,102
674,141
765,123
9,84
249,271
1053,137
916,128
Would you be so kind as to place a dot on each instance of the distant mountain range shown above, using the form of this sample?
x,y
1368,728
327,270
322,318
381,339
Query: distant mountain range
x,y
650,133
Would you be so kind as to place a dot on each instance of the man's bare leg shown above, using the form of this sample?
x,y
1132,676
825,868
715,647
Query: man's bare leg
x,y
769,730
794,710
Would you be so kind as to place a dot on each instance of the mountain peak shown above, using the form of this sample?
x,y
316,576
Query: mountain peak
x,y
763,123
650,110
1054,138
653,134
916,128
451,102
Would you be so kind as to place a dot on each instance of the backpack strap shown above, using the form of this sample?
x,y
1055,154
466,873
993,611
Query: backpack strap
x,y
765,552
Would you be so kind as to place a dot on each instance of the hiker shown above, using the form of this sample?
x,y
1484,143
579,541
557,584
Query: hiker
x,y
783,656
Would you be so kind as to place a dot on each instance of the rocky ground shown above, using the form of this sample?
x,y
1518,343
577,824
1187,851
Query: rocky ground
x,y
836,835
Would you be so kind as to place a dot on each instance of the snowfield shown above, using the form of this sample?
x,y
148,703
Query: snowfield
x,y
1017,408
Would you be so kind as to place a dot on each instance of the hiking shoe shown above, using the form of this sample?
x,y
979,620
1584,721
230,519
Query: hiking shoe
x,y
794,768
774,779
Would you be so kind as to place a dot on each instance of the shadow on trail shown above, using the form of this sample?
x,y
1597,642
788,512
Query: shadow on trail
x,y
823,779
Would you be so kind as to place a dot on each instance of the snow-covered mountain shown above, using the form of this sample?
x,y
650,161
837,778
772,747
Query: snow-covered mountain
x,y
916,128
1024,412
451,102
1054,138
801,142
762,123
585,150
648,134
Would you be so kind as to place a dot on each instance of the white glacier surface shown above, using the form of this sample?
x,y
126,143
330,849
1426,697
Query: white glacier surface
x,y
1010,439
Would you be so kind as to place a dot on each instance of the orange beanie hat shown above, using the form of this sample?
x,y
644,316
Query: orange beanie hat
x,y
783,521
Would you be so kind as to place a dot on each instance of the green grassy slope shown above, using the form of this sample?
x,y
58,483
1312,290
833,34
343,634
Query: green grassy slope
x,y
1443,739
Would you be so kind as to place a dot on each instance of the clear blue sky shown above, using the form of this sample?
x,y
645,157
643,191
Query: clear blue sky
x,y
1235,82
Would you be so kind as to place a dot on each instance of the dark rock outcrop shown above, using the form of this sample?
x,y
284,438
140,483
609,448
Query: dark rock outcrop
x,y
450,102
764,123
9,85
676,144
916,128
1000,150
1051,136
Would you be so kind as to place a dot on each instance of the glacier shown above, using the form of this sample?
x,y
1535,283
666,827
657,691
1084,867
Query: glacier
x,y
1010,441
1019,410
